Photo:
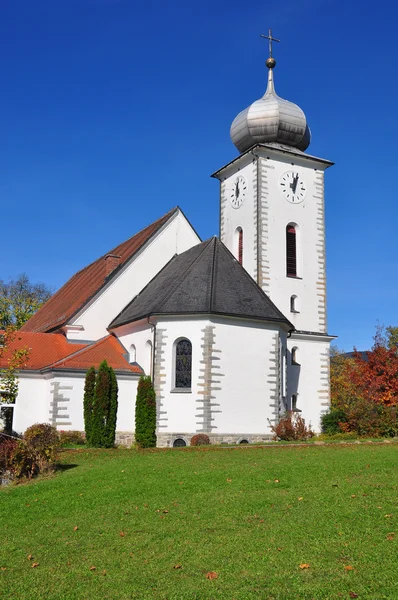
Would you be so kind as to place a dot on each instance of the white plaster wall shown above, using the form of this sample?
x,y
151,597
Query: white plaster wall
x,y
176,237
310,380
246,376
32,403
308,216
178,409
139,334
274,214
34,400
249,379
243,217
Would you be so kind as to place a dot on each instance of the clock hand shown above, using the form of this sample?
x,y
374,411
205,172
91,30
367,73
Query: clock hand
x,y
295,181
237,190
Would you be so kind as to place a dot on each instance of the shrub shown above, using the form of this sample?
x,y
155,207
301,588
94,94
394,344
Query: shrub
x,y
200,439
72,437
41,442
145,414
330,422
367,418
8,447
102,420
292,427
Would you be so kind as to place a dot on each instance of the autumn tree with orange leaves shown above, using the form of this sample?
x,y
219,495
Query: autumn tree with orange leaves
x,y
364,388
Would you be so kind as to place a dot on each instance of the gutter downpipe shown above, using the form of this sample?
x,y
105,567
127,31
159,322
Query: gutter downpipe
x,y
153,325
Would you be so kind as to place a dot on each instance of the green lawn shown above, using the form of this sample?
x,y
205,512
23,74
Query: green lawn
x,y
153,524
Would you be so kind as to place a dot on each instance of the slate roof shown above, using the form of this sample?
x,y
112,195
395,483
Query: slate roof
x,y
76,292
53,351
205,279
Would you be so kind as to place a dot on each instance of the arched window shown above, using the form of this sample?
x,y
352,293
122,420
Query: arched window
x,y
239,244
291,251
179,443
294,402
132,354
148,358
295,356
183,364
294,304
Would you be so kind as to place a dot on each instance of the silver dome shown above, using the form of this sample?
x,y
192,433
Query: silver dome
x,y
271,119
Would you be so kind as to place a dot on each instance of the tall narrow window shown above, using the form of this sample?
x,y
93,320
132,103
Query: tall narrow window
x,y
295,356
294,402
291,251
183,364
294,304
240,246
133,354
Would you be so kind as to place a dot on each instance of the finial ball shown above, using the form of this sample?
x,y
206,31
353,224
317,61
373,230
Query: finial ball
x,y
270,62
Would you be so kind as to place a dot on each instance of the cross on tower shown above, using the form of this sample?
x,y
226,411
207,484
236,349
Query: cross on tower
x,y
271,39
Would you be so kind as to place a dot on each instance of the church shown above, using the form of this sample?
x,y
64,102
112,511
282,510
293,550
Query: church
x,y
232,330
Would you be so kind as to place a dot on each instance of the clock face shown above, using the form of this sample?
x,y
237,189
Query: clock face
x,y
238,191
292,187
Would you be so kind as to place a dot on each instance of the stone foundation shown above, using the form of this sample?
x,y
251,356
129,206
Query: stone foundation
x,y
166,440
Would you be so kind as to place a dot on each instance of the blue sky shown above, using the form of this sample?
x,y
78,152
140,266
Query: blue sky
x,y
114,111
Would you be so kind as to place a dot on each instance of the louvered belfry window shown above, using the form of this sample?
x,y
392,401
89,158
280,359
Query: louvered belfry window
x,y
240,247
291,252
183,364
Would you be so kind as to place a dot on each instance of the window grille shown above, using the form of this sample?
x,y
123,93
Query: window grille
x,y
183,364
291,251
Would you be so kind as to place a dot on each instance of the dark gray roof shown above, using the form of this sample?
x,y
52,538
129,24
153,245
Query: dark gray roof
x,y
205,279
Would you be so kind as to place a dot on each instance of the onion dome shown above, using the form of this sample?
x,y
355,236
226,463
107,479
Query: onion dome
x,y
271,120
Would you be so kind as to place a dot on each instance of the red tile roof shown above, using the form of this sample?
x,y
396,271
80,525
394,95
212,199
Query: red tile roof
x,y
44,348
108,348
76,292
53,351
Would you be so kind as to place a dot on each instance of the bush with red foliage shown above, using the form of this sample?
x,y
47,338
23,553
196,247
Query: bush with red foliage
x,y
292,427
8,448
200,439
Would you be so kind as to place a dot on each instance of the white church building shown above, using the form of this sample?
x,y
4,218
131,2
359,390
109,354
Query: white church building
x,y
232,330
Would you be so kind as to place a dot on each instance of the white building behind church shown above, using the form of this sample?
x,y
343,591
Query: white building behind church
x,y
233,331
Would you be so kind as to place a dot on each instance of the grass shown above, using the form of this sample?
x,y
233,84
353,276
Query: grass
x,y
153,524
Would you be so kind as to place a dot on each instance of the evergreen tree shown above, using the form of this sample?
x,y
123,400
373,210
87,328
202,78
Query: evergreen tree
x,y
103,420
88,403
145,414
110,427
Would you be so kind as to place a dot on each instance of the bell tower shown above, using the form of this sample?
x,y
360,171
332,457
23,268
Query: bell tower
x,y
272,220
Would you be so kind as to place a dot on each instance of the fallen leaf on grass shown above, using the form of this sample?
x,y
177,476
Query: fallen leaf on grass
x,y
211,575
177,566
75,528
276,480
391,535
30,556
3,568
104,572
304,566
353,495
279,549
348,568
34,565
229,480
300,498
353,595
165,512
121,533
388,516
92,568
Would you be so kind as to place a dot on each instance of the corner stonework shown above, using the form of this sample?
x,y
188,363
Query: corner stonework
x,y
159,377
210,381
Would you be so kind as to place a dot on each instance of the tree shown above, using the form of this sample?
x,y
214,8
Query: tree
x,y
88,402
104,412
369,375
19,300
13,359
145,414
